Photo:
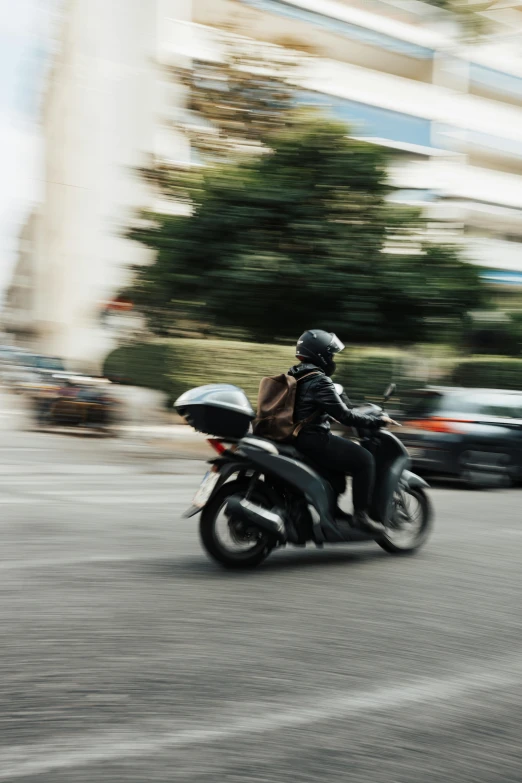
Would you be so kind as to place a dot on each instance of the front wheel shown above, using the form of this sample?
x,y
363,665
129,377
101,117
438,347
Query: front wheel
x,y
228,541
410,523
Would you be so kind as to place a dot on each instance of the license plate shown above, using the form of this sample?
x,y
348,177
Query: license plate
x,y
205,489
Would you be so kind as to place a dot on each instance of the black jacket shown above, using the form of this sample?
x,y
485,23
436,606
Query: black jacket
x,y
317,395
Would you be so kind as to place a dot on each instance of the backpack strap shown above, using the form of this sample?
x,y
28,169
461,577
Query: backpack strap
x,y
309,419
308,375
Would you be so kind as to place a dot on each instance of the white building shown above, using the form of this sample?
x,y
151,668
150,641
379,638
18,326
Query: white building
x,y
400,74
395,70
102,119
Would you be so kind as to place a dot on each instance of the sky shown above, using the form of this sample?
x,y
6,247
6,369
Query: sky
x,y
25,45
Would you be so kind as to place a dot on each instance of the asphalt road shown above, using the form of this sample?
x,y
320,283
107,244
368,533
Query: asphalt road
x,y
127,656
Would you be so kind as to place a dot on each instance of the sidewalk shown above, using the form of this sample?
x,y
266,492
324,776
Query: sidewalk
x,y
177,439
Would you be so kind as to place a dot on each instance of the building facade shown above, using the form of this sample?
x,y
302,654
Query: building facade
x,y
397,72
401,76
102,119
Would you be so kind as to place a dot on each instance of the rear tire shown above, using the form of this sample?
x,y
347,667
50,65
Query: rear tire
x,y
392,545
211,541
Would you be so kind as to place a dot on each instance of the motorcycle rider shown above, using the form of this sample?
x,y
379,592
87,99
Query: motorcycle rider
x,y
316,402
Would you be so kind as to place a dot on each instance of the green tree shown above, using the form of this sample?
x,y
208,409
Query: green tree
x,y
236,101
300,235
232,105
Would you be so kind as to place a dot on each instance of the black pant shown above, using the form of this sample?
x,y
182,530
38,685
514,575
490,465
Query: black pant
x,y
343,456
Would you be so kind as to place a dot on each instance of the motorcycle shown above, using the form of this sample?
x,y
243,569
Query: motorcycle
x,y
260,495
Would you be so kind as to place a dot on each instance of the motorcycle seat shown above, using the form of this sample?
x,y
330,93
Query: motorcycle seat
x,y
287,450
337,480
284,449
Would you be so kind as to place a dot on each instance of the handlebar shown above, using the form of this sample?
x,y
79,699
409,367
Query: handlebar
x,y
376,410
369,407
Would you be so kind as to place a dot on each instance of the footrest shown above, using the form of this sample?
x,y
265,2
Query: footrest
x,y
332,533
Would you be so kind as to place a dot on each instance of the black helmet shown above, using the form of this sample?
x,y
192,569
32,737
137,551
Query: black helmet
x,y
318,347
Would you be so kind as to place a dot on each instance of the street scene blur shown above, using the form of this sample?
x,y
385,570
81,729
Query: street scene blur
x,y
261,339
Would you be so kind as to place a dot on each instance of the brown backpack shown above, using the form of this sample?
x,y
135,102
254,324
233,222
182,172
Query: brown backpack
x,y
275,407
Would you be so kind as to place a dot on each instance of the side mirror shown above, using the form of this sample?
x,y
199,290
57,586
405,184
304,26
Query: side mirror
x,y
338,388
390,391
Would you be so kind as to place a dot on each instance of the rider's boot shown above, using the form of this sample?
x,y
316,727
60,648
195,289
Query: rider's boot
x,y
343,516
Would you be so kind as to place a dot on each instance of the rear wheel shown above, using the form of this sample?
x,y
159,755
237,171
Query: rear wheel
x,y
410,523
230,542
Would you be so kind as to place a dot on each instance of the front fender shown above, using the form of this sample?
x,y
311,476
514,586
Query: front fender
x,y
410,479
387,481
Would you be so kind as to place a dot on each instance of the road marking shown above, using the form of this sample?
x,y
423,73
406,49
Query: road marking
x,y
167,498
52,562
95,497
10,449
126,742
507,531
65,469
9,500
45,470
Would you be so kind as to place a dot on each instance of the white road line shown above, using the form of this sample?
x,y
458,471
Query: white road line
x,y
103,481
126,742
162,497
506,531
17,449
13,500
165,498
43,470
53,562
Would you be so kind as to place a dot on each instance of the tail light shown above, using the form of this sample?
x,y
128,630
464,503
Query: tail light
x,y
217,445
439,424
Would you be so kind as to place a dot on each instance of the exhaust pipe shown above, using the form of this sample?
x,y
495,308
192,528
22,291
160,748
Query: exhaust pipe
x,y
252,514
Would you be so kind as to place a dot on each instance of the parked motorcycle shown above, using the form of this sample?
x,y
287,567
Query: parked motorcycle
x,y
260,495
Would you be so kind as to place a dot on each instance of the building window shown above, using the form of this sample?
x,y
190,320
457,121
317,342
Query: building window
x,y
367,120
339,27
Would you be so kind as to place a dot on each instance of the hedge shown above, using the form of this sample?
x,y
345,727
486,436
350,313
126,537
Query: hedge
x,y
179,364
176,365
173,366
490,372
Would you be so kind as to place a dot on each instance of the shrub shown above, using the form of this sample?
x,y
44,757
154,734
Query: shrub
x,y
490,372
176,365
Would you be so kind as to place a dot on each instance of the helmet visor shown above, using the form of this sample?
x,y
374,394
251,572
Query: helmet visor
x,y
335,346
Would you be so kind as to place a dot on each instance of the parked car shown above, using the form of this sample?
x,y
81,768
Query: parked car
x,y
6,354
16,369
25,369
70,400
471,434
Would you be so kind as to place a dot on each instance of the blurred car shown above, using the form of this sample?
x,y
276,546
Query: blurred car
x,y
6,354
24,369
16,369
470,434
70,400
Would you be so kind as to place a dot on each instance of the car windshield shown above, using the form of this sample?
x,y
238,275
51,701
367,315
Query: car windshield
x,y
483,403
26,359
506,406
423,404
49,363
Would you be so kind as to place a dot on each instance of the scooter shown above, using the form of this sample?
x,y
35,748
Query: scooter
x,y
260,495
